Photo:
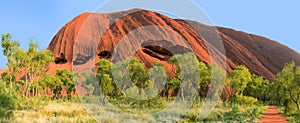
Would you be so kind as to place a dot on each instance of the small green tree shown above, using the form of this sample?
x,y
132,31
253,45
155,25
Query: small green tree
x,y
254,87
205,77
53,82
283,82
295,92
239,78
31,64
138,74
158,77
172,85
28,63
105,81
264,91
89,82
186,72
9,47
287,85
10,99
106,84
66,77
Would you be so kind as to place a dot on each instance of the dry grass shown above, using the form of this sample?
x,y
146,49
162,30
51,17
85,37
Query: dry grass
x,y
65,112
71,112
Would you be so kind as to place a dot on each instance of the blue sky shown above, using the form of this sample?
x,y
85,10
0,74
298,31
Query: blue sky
x,y
277,20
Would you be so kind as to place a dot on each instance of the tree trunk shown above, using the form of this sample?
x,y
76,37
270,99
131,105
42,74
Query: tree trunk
x,y
298,108
170,92
29,86
285,106
10,82
36,91
26,85
141,91
182,95
27,90
295,100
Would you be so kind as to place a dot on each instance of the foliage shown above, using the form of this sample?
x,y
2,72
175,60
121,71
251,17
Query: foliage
x,y
53,82
258,88
89,82
132,105
293,116
245,100
158,78
186,73
9,48
29,63
9,99
239,78
138,74
66,78
132,88
204,74
63,79
104,77
287,87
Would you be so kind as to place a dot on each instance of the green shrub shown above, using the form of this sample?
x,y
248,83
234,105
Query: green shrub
x,y
214,116
245,100
5,114
129,104
234,114
293,116
252,114
192,117
74,99
9,100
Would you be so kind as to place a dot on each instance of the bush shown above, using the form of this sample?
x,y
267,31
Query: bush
x,y
34,103
137,106
9,101
5,114
245,100
74,99
192,117
252,113
234,115
293,116
215,115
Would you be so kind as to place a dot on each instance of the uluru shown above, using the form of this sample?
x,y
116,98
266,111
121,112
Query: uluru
x,y
155,37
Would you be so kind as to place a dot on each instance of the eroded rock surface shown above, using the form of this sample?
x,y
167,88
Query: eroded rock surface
x,y
154,37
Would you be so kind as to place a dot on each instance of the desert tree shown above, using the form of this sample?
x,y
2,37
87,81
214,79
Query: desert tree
x,y
239,78
9,47
287,85
186,72
158,77
138,74
204,78
32,62
66,78
52,82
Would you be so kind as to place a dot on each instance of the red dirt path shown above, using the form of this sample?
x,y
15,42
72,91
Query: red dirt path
x,y
271,115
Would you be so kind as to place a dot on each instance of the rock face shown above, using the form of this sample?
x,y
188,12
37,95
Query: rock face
x,y
154,37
